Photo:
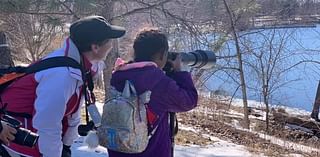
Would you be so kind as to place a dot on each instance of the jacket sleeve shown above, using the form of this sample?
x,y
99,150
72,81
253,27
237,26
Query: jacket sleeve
x,y
176,94
72,130
55,87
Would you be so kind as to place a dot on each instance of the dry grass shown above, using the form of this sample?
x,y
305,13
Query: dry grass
x,y
188,137
215,124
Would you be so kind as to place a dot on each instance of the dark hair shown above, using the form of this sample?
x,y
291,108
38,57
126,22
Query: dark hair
x,y
148,43
87,46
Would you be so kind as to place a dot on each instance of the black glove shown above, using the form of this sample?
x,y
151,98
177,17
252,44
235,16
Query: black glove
x,y
66,151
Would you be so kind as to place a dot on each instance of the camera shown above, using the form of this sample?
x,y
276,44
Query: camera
x,y
94,123
196,59
23,136
83,129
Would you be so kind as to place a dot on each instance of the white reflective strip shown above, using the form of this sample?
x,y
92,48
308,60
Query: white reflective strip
x,y
153,131
14,153
4,45
25,123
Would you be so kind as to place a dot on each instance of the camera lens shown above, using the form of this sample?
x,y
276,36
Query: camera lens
x,y
196,59
31,139
25,137
199,59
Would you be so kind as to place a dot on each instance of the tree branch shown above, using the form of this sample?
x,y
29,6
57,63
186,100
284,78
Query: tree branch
x,y
69,9
137,10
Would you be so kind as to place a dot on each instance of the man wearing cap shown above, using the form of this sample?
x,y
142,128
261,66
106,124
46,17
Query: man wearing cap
x,y
53,96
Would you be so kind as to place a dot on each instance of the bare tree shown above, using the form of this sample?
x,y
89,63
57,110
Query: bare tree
x,y
32,36
269,62
240,62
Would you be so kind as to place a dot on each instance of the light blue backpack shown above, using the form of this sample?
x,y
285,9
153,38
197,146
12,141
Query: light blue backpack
x,y
124,125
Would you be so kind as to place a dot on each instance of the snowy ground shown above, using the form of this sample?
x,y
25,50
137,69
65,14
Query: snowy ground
x,y
219,149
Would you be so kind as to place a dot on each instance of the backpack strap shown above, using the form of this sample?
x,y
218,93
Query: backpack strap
x,y
13,73
60,61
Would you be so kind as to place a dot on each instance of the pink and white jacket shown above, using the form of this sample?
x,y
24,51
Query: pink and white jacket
x,y
53,98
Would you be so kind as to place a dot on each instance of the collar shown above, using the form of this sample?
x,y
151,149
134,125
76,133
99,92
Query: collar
x,y
121,65
70,50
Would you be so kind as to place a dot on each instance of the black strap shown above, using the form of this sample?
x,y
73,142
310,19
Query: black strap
x,y
88,87
174,129
18,69
173,121
60,61
53,62
16,114
89,95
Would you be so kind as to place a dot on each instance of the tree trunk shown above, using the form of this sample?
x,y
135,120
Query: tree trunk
x,y
109,67
239,56
5,59
267,117
316,105
266,102
107,12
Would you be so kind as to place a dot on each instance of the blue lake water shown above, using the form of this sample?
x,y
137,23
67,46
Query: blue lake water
x,y
304,43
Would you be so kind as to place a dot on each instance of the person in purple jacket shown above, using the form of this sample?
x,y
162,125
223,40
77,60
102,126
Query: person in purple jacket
x,y
169,94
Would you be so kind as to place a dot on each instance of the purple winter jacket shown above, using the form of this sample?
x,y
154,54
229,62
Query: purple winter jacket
x,y
175,94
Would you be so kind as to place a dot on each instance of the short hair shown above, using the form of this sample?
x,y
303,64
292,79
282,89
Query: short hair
x,y
149,42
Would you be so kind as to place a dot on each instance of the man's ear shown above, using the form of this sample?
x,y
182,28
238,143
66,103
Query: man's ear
x,y
94,48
